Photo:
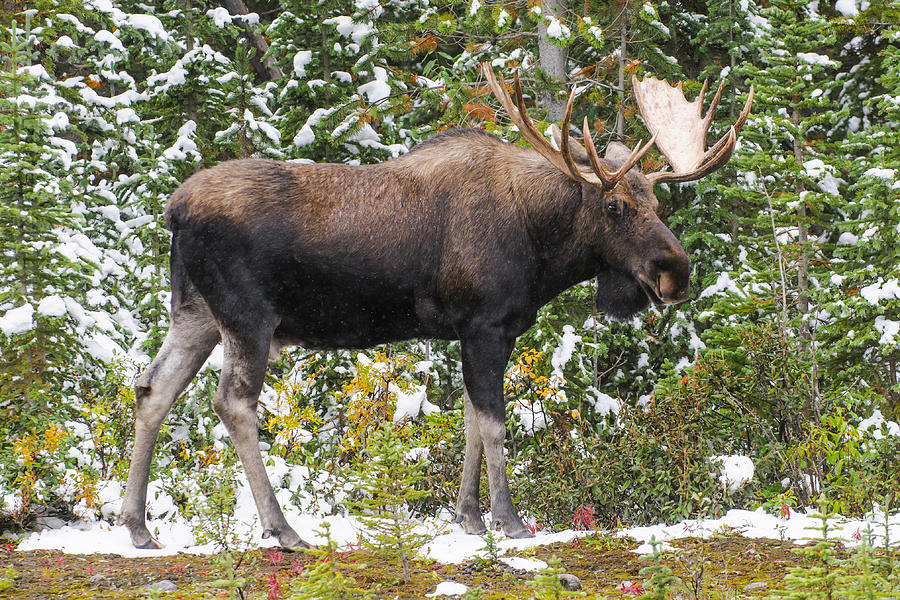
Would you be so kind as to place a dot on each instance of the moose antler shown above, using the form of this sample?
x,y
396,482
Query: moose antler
x,y
562,158
680,130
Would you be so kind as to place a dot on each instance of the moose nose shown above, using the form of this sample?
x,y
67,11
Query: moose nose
x,y
672,288
670,269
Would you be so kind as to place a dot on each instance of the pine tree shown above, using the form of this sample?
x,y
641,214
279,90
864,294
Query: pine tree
x,y
547,585
324,580
340,100
866,304
388,482
819,578
51,341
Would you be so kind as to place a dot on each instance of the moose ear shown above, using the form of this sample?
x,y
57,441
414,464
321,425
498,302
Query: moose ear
x,y
576,150
617,153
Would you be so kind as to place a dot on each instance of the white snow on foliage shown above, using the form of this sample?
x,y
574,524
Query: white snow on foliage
x,y
376,90
304,137
814,58
411,403
563,352
875,423
17,320
301,59
220,16
880,290
824,174
369,138
531,415
888,174
723,283
37,71
737,470
603,403
108,38
556,30
349,28
847,8
65,41
52,306
150,24
184,146
887,328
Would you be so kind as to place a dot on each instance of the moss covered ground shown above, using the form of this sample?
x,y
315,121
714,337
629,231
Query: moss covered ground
x,y
720,567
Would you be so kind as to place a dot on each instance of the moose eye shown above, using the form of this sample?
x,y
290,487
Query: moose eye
x,y
612,206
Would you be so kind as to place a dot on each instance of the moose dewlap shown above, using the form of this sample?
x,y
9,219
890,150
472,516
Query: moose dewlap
x,y
463,238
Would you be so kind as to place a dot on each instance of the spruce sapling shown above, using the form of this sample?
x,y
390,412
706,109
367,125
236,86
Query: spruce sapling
x,y
388,481
324,581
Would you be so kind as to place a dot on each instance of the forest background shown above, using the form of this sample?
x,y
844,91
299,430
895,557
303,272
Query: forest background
x,y
786,357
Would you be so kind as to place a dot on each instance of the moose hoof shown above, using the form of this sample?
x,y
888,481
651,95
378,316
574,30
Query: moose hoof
x,y
288,540
519,534
471,524
512,527
151,544
140,536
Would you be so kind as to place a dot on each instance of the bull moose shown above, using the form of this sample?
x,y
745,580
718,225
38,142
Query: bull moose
x,y
463,238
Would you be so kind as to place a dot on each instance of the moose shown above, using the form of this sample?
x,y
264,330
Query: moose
x,y
463,238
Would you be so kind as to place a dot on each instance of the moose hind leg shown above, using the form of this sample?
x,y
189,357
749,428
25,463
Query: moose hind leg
x,y
235,403
468,505
191,338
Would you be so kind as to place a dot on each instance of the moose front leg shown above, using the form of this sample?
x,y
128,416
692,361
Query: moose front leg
x,y
484,361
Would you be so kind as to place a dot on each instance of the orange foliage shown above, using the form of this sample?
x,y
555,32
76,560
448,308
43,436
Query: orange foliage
x,y
424,45
479,112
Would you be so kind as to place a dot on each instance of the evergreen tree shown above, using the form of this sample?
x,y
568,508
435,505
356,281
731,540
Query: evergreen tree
x,y
865,307
323,580
388,482
818,578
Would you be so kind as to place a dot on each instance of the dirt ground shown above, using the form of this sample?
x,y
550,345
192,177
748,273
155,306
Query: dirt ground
x,y
727,567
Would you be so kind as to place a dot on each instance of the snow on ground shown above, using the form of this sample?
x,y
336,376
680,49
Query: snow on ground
x,y
448,588
451,544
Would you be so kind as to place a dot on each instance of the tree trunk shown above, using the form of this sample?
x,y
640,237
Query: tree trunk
x,y
806,334
802,235
552,59
264,67
623,48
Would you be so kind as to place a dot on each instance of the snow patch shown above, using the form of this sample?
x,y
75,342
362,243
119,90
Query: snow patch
x,y
556,30
524,564
737,471
150,24
886,174
888,330
377,90
563,352
52,306
723,283
875,422
108,38
448,588
301,59
410,404
17,320
847,8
